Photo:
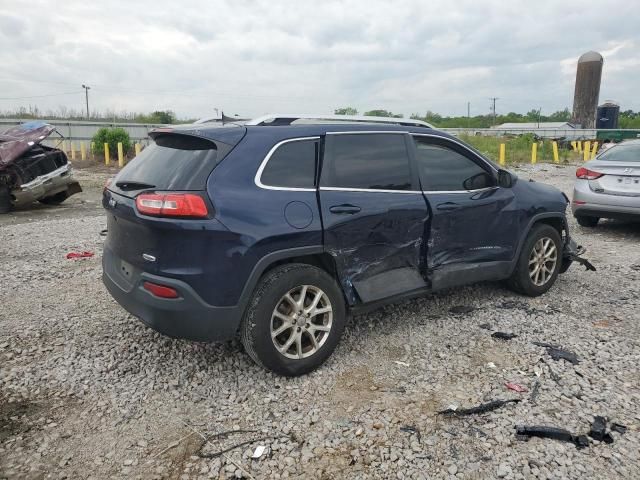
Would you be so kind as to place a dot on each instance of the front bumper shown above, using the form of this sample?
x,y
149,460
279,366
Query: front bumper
x,y
187,317
571,253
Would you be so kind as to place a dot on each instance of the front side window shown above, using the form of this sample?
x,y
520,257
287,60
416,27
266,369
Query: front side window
x,y
444,169
292,165
368,161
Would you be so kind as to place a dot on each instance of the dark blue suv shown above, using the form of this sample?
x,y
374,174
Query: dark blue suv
x,y
276,230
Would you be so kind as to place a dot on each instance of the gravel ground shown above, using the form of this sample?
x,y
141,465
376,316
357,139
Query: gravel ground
x,y
87,391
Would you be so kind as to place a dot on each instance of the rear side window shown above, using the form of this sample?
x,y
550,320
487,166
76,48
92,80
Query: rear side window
x,y
173,162
444,169
622,153
368,161
292,165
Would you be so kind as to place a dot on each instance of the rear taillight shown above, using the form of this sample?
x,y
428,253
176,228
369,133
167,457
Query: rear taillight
x,y
172,205
586,174
161,291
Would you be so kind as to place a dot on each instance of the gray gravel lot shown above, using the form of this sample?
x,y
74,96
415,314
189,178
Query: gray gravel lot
x,y
87,391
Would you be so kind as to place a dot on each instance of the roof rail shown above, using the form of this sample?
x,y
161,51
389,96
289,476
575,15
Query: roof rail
x,y
288,118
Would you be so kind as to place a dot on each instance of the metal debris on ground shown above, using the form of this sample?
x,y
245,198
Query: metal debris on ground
x,y
525,432
516,387
503,335
412,429
483,408
557,353
616,427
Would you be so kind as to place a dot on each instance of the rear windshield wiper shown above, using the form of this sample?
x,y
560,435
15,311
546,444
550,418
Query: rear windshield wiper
x,y
131,185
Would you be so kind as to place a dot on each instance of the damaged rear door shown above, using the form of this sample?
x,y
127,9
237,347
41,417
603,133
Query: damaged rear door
x,y
374,214
474,228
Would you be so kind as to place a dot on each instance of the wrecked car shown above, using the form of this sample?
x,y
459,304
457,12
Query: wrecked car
x,y
276,230
31,171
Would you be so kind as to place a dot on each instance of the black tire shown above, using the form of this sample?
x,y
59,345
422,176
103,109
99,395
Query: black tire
x,y
56,199
5,199
521,281
256,328
584,221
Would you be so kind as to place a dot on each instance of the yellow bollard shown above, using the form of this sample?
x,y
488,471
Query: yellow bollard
x,y
556,157
120,155
587,151
502,153
107,161
534,152
138,149
579,147
594,149
73,151
83,151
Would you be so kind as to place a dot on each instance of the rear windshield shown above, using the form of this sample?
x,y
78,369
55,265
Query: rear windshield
x,y
173,162
622,153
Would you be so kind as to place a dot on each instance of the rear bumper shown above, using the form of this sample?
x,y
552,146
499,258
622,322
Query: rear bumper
x,y
187,317
603,205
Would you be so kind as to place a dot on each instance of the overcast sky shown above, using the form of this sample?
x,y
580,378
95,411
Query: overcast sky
x,y
254,57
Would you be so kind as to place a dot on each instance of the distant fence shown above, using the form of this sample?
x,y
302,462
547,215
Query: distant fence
x,y
551,133
81,131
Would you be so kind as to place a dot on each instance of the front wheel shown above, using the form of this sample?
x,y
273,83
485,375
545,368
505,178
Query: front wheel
x,y
295,319
587,221
539,262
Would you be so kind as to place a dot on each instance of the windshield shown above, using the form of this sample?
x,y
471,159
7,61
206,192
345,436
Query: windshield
x,y
622,153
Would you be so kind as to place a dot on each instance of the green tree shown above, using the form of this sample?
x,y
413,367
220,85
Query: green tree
x,y
382,113
111,136
345,111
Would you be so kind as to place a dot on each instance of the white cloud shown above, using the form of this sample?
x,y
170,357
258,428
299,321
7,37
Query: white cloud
x,y
274,55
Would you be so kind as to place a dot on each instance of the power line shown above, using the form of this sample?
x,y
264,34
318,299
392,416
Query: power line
x,y
40,96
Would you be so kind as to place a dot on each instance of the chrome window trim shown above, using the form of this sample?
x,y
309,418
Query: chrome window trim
x,y
457,142
462,191
258,177
367,132
375,190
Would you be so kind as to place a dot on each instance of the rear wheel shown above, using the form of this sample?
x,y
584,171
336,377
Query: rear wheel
x,y
584,221
295,319
56,199
5,199
539,262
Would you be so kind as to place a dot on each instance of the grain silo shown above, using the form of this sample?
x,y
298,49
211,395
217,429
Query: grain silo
x,y
585,99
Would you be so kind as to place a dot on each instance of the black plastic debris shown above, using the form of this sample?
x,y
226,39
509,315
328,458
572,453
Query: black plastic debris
x,y
503,335
560,354
483,408
412,429
557,353
525,432
461,309
485,326
616,427
599,430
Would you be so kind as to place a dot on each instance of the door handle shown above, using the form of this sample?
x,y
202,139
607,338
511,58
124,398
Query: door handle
x,y
447,206
344,209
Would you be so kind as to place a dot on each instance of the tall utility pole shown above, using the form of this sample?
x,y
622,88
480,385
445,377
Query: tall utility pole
x,y
86,95
493,108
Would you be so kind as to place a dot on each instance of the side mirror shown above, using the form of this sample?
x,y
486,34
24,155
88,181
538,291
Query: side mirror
x,y
481,180
505,179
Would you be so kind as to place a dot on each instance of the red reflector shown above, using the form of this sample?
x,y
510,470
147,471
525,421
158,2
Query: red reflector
x,y
160,290
579,202
586,174
172,205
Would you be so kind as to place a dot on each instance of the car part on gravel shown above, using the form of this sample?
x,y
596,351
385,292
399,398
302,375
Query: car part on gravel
x,y
483,408
557,353
504,335
621,429
516,387
412,429
599,430
73,255
525,432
